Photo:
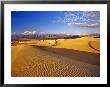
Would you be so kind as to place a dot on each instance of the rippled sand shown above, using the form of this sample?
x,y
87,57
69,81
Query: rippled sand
x,y
43,60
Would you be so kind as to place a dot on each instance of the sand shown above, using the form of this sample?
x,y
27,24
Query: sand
x,y
62,60
80,44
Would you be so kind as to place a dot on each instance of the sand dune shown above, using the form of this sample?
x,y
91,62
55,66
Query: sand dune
x,y
94,45
80,44
87,57
45,58
86,44
34,61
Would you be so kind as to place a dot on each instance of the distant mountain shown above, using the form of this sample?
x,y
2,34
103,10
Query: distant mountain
x,y
44,35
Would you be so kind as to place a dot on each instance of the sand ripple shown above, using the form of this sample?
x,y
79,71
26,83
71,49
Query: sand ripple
x,y
33,61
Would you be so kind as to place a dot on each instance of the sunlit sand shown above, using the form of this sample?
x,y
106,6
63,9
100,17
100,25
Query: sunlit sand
x,y
78,57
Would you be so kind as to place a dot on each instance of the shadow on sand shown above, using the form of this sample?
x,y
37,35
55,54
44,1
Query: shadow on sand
x,y
87,57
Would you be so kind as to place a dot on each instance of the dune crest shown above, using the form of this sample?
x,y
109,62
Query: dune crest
x,y
33,61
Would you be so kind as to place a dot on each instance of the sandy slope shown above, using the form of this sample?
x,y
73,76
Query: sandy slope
x,y
87,57
35,61
94,45
80,44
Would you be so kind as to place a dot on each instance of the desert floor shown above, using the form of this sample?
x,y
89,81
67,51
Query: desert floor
x,y
68,58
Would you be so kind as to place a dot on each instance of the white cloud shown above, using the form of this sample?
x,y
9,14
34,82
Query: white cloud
x,y
81,18
32,32
84,25
29,32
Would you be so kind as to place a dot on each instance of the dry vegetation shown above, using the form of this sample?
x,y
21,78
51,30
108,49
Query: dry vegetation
x,y
63,57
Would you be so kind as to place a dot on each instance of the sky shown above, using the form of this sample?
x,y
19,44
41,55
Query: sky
x,y
72,22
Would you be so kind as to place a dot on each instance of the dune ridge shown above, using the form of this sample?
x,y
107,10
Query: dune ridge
x,y
33,61
56,58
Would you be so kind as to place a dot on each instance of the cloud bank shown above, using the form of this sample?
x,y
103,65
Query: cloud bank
x,y
89,19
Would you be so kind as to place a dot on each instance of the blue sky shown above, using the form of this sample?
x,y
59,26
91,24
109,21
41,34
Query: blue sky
x,y
76,22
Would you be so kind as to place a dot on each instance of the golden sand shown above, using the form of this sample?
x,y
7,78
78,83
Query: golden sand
x,y
80,44
70,57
